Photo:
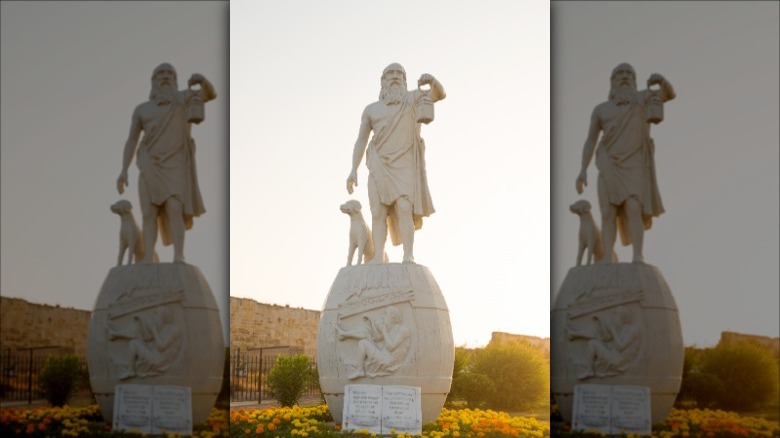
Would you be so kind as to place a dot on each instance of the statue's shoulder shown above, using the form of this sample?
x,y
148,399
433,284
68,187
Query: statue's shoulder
x,y
374,106
144,107
374,109
603,107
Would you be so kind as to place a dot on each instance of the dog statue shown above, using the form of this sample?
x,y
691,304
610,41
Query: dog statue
x,y
359,234
589,235
130,237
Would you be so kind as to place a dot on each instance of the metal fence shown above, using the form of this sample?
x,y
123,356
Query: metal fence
x,y
249,374
19,372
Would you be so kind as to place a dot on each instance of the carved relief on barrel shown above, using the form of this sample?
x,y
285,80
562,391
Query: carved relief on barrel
x,y
156,324
616,324
386,324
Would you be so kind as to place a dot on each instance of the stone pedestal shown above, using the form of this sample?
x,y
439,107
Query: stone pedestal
x,y
385,324
616,324
156,324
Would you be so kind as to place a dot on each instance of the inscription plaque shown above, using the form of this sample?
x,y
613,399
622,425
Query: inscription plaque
x,y
631,409
401,410
612,409
382,409
153,409
133,408
363,408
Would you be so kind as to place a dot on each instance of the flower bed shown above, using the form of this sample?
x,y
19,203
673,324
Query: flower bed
x,y
86,421
700,423
316,422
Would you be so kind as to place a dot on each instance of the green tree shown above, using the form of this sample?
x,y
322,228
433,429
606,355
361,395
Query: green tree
x,y
223,399
703,388
749,372
475,389
519,371
289,378
459,366
59,376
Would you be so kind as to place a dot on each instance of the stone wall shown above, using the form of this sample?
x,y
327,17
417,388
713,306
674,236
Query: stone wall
x,y
542,343
255,325
771,343
24,324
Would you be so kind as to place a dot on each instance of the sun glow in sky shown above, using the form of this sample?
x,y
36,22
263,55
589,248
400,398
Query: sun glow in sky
x,y
716,151
72,73
301,75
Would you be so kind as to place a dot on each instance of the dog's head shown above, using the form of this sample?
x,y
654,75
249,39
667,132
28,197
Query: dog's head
x,y
351,207
580,207
122,206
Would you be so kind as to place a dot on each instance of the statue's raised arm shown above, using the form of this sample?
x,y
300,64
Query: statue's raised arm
x,y
397,183
167,183
619,135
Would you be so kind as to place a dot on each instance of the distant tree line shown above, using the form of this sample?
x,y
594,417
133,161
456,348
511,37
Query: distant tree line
x,y
740,376
511,375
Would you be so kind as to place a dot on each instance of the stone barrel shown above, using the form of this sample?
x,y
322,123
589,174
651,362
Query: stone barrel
x,y
156,324
633,301
385,324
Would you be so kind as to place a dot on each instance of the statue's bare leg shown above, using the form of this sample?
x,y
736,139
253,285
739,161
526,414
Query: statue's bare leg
x,y
175,212
404,210
636,227
608,232
149,212
379,225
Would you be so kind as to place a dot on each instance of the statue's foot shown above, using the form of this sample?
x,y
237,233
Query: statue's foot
x,y
124,375
586,375
638,259
408,259
179,259
357,374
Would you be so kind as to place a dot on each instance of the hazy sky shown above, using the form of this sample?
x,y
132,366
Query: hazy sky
x,y
72,73
717,157
301,75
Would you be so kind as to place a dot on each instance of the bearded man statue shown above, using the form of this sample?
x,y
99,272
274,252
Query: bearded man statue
x,y
627,187
167,182
397,184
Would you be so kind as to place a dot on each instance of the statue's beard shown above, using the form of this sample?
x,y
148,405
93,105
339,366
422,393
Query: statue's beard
x,y
164,97
163,94
623,94
393,93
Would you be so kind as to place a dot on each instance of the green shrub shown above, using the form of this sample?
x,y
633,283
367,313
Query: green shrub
x,y
519,371
706,389
459,365
749,373
58,378
223,399
475,389
289,378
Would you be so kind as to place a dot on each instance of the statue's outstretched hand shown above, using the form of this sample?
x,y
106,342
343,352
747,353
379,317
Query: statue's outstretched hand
x,y
655,78
352,182
121,182
196,78
425,79
582,181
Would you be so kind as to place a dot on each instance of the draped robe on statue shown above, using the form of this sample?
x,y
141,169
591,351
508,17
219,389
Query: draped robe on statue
x,y
625,159
166,160
396,162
